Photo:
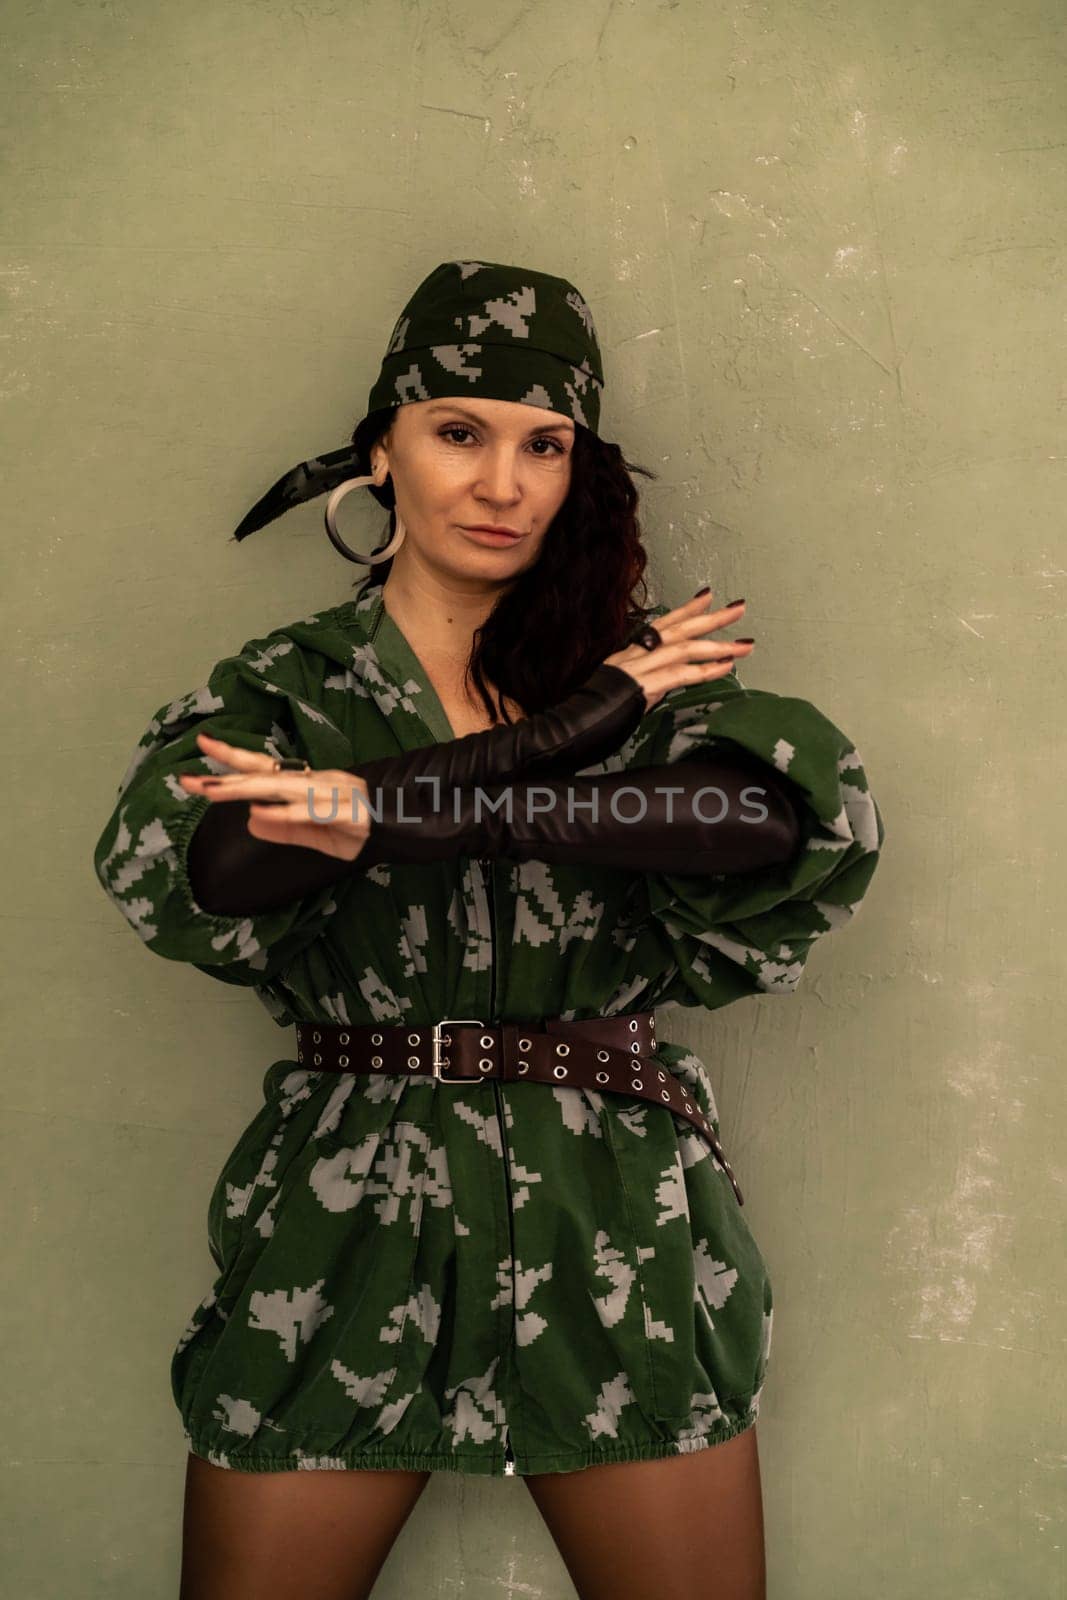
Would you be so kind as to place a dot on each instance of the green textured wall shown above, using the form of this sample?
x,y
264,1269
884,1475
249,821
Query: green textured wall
x,y
824,246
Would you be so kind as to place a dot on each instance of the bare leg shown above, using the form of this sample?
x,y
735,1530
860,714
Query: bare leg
x,y
316,1535
687,1527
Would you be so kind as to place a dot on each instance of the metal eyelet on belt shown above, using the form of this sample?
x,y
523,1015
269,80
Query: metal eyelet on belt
x,y
563,1049
375,1061
524,1044
413,1061
635,1083
487,1041
317,1038
485,1064
342,1061
524,1066
559,1072
318,1059
344,1038
665,1094
375,1038
413,1038
688,1107
636,1048
633,1025
602,1077
602,1055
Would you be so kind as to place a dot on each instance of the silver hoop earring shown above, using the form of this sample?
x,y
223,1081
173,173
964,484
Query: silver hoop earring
x,y
335,538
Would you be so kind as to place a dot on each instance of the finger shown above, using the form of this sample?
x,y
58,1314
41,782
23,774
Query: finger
x,y
690,611
697,650
687,645
325,801
696,672
236,787
203,782
284,812
649,665
283,824
702,621
684,624
233,756
697,610
266,823
297,813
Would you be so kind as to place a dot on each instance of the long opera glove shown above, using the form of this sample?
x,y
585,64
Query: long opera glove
x,y
749,817
716,815
229,867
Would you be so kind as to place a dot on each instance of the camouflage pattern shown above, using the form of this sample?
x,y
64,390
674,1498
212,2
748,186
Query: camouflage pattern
x,y
487,1278
471,328
508,333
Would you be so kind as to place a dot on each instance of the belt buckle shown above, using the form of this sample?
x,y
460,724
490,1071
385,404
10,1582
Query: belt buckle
x,y
438,1043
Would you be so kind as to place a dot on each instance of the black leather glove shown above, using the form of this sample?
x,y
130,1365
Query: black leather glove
x,y
231,871
654,819
594,721
228,874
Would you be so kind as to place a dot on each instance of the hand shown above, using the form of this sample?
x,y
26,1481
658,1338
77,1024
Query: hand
x,y
298,798
683,657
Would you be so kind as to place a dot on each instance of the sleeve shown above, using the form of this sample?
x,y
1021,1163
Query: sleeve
x,y
752,932
263,698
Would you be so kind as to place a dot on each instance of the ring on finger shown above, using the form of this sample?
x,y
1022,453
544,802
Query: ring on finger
x,y
647,636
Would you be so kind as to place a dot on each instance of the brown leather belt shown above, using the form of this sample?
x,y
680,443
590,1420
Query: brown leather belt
x,y
613,1054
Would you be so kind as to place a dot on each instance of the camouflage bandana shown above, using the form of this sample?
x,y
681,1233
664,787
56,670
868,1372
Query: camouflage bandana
x,y
470,328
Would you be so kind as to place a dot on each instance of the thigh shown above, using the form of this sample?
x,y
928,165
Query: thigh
x,y
316,1535
687,1527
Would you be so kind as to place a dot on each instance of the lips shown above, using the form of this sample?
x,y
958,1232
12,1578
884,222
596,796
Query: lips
x,y
484,528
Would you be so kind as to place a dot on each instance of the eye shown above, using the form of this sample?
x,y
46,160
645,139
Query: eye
x,y
557,448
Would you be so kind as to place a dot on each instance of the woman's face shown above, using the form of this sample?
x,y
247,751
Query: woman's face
x,y
458,463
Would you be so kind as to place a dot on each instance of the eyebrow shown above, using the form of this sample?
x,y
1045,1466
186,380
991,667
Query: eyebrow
x,y
458,411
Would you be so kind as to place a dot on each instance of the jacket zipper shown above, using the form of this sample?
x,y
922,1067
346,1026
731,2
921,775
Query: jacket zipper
x,y
487,883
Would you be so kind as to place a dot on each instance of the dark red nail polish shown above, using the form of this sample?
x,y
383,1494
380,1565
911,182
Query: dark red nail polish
x,y
730,603
744,641
706,590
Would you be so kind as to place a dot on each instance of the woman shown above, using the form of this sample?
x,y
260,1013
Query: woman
x,y
419,1269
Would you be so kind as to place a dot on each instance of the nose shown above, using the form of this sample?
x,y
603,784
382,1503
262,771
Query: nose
x,y
499,483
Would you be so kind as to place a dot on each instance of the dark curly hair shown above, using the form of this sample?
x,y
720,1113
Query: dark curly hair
x,y
559,620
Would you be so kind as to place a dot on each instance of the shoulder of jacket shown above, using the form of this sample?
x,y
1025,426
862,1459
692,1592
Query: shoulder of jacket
x,y
330,632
